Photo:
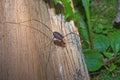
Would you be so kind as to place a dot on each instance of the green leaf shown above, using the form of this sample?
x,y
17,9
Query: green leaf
x,y
117,61
65,1
108,76
101,42
78,18
68,11
99,28
56,1
89,29
108,55
115,42
112,67
87,11
94,60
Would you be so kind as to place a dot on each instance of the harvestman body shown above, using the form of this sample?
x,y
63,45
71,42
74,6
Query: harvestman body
x,y
58,36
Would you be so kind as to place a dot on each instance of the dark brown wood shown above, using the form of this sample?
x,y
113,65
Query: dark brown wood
x,y
26,49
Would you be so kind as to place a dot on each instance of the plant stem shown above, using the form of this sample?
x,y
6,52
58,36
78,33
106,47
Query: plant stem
x,y
87,11
89,29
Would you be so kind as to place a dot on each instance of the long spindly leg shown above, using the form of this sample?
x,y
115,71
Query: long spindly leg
x,y
62,26
49,43
49,50
28,21
22,23
70,37
49,55
36,30
71,33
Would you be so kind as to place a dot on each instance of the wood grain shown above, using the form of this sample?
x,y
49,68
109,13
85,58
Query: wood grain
x,y
25,44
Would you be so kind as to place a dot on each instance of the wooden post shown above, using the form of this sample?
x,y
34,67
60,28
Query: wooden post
x,y
26,49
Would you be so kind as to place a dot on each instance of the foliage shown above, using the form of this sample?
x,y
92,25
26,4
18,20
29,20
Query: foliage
x,y
115,42
101,42
100,39
87,11
68,11
106,75
93,59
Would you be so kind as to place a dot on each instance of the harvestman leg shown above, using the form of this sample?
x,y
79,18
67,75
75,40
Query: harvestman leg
x,y
34,28
38,31
43,33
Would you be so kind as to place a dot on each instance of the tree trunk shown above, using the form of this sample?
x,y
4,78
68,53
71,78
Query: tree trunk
x,y
27,51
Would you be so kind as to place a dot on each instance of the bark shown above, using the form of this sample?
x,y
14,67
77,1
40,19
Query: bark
x,y
27,51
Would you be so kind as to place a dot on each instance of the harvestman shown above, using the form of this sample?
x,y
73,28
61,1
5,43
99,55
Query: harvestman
x,y
58,36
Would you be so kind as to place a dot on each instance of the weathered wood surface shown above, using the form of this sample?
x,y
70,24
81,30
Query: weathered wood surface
x,y
24,49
